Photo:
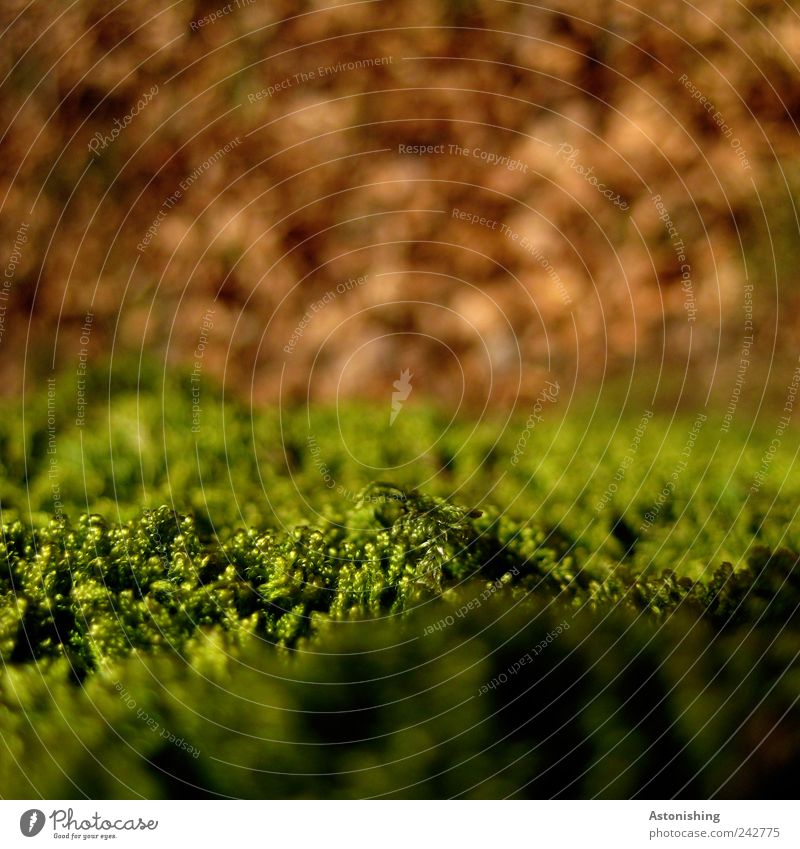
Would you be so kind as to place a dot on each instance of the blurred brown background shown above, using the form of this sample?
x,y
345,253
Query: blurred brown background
x,y
293,185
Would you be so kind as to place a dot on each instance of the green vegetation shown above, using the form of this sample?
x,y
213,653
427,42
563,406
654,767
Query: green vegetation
x,y
246,611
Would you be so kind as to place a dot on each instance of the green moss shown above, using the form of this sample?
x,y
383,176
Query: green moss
x,y
95,592
230,621
611,706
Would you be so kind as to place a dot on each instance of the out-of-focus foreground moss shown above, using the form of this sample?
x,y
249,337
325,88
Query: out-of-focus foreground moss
x,y
613,706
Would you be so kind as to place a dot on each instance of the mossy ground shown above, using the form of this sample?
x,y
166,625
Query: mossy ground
x,y
314,602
